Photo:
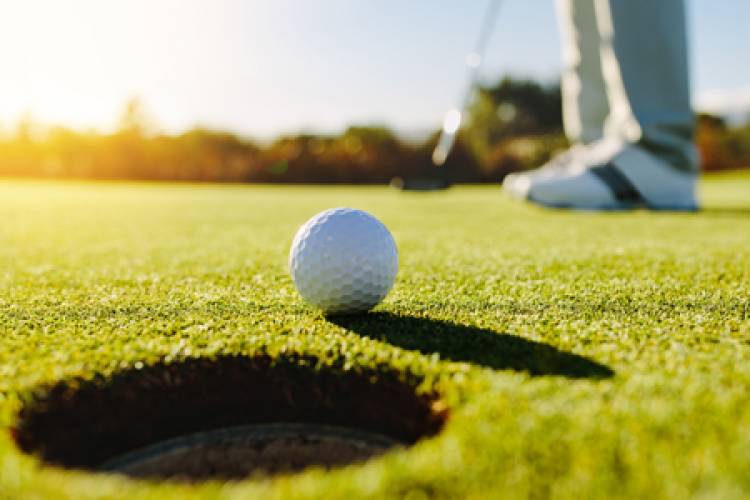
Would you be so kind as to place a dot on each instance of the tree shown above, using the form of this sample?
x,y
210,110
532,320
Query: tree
x,y
512,108
134,119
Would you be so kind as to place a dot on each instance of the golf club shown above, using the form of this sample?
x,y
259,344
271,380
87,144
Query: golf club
x,y
454,116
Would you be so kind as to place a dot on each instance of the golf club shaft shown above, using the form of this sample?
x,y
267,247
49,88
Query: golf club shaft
x,y
454,117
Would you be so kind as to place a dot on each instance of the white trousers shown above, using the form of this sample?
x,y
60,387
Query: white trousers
x,y
625,76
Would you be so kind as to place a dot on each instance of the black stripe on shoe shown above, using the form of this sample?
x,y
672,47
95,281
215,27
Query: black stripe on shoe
x,y
621,187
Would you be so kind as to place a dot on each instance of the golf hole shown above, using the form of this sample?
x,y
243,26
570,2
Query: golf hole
x,y
225,418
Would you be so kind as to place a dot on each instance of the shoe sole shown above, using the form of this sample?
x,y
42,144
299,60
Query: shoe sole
x,y
623,207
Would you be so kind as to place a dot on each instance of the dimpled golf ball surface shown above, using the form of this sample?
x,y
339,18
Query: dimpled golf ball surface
x,y
343,261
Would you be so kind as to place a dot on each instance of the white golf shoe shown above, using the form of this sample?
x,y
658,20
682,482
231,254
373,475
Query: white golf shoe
x,y
517,184
607,175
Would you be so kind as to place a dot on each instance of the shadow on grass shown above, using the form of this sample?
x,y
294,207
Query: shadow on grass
x,y
469,344
725,211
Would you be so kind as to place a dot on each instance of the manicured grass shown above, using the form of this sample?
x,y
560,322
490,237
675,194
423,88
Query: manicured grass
x,y
579,354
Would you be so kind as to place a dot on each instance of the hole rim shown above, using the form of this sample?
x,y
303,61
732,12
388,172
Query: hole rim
x,y
427,405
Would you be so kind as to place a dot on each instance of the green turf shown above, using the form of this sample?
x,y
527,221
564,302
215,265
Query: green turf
x,y
516,314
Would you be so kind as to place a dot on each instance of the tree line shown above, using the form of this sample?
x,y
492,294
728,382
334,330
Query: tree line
x,y
513,125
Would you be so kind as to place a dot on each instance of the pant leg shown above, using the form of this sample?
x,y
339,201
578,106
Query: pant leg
x,y
645,67
585,103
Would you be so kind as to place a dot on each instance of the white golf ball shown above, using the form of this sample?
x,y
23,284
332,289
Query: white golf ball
x,y
343,261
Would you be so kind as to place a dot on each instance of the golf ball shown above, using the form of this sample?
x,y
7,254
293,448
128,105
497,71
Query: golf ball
x,y
343,261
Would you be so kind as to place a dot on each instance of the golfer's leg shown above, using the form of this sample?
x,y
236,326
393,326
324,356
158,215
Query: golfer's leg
x,y
646,157
585,104
645,66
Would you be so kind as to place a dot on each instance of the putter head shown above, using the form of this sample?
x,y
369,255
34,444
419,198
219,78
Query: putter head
x,y
420,184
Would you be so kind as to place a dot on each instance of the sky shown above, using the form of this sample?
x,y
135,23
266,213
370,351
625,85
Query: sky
x,y
265,67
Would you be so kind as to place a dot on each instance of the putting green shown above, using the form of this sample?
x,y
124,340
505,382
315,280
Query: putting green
x,y
571,354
